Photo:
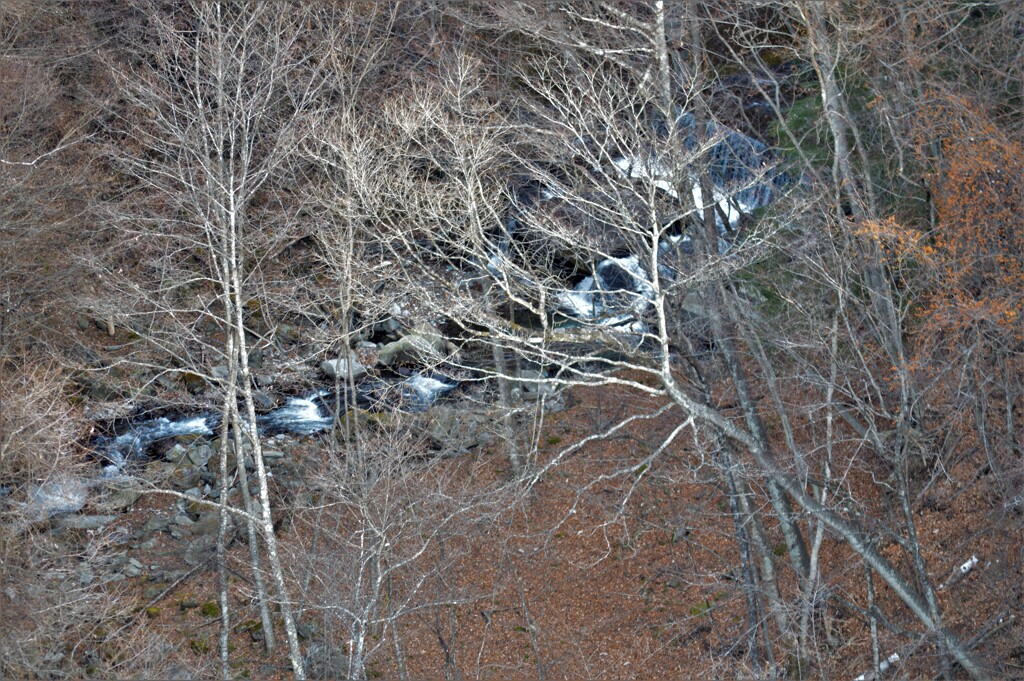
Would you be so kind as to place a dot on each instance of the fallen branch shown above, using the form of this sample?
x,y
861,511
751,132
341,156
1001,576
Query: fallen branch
x,y
958,574
882,667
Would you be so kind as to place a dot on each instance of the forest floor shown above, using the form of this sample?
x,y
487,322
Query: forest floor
x,y
635,576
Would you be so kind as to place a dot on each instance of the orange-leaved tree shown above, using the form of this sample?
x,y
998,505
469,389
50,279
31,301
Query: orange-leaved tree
x,y
977,186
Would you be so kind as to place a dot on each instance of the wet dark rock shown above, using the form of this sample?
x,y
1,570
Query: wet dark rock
x,y
264,402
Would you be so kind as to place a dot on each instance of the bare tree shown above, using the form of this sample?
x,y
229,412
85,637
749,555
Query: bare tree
x,y
388,521
42,168
217,103
608,104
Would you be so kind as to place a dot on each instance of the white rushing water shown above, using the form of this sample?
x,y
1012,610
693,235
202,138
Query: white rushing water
x,y
425,390
300,415
134,443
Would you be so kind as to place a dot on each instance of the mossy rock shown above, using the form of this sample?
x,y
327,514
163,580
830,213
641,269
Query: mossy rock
x,y
804,117
210,609
199,646
181,475
385,422
249,625
352,422
152,612
117,496
194,383
154,590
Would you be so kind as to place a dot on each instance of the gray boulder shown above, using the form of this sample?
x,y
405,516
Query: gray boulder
x,y
152,525
84,522
200,549
263,401
208,524
200,455
532,385
176,454
343,369
133,568
458,430
57,497
273,457
118,495
178,475
424,343
324,661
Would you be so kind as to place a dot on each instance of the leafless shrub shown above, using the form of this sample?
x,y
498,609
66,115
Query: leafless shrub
x,y
389,519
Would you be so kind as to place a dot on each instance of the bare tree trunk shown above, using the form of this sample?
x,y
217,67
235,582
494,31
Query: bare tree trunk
x,y
230,407
269,535
254,549
748,520
508,407
222,528
403,674
851,534
914,547
746,564
849,181
876,651
715,301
